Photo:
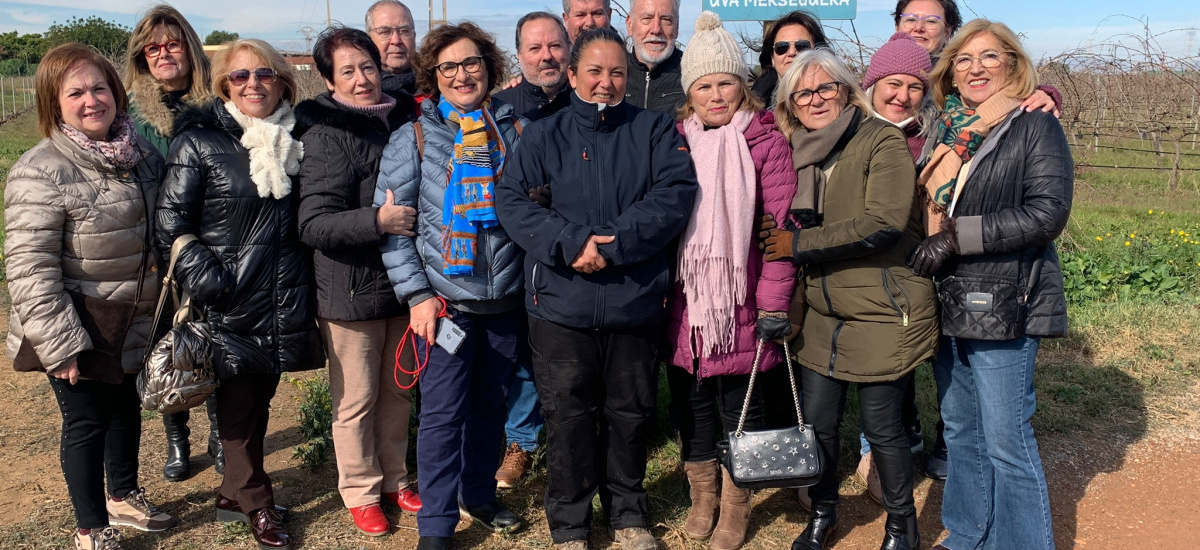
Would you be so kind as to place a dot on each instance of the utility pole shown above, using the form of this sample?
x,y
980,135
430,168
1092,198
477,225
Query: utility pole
x,y
328,15
436,22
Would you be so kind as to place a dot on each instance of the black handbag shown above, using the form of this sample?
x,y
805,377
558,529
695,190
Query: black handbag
x,y
786,457
980,307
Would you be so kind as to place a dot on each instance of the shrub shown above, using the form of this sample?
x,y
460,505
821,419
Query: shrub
x,y
316,421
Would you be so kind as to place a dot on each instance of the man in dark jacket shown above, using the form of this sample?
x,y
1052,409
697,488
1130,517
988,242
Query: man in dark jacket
x,y
390,25
542,50
653,81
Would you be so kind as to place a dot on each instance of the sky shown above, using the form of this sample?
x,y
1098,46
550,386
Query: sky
x,y
1048,28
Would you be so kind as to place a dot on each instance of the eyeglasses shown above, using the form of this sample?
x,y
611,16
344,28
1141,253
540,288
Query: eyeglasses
x,y
827,91
154,50
387,32
783,47
264,75
472,65
989,60
911,21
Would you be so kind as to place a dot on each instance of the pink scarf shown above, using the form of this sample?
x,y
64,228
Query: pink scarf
x,y
715,247
121,148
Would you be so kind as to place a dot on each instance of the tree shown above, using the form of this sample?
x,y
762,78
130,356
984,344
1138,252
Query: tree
x,y
106,36
29,48
218,37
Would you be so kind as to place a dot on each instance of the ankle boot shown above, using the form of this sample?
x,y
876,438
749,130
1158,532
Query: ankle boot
x,y
821,526
214,439
730,533
900,533
703,479
179,449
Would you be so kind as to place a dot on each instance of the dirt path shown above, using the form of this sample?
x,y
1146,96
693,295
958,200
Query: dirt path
x,y
1104,495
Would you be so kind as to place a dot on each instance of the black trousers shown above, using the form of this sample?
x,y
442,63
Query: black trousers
x,y
597,389
101,433
879,406
243,409
706,410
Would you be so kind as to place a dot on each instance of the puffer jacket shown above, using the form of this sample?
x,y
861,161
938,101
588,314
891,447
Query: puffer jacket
x,y
623,172
342,148
869,318
769,284
249,270
656,89
75,222
1015,202
414,265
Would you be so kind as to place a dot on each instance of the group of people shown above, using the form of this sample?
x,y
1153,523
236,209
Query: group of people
x,y
527,252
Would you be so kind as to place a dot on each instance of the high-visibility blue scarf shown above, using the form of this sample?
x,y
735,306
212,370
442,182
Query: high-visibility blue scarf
x,y
470,201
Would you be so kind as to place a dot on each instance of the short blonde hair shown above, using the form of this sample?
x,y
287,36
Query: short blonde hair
x,y
1022,77
264,51
826,60
750,102
53,69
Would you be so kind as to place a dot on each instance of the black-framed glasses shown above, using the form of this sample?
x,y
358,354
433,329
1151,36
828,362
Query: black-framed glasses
x,y
240,77
154,50
827,91
989,60
450,68
911,21
782,47
387,32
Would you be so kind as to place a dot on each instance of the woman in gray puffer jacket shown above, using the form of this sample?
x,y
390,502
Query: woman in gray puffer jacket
x,y
78,214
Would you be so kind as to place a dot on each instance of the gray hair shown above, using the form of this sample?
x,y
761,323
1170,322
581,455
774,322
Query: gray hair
x,y
826,60
633,3
382,3
534,16
607,5
927,114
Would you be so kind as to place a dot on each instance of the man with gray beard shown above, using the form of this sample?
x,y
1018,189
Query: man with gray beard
x,y
653,26
542,50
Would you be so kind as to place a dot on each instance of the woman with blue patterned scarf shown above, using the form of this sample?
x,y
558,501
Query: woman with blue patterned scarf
x,y
460,269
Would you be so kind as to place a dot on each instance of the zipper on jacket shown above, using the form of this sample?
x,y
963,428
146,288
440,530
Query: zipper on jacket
x,y
836,330
887,289
598,312
646,102
533,281
485,251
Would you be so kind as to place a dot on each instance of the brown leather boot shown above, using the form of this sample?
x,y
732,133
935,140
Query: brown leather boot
x,y
730,533
703,477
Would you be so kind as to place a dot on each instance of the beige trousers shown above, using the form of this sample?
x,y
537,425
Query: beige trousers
x,y
370,412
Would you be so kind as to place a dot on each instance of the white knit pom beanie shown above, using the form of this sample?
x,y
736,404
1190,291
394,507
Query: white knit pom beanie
x,y
711,50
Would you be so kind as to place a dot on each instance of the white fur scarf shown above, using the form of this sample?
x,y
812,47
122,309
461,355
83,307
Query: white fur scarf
x,y
274,155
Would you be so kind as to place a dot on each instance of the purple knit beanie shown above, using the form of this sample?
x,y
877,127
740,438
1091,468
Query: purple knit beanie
x,y
900,55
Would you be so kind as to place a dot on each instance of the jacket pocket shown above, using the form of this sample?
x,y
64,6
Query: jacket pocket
x,y
896,294
981,308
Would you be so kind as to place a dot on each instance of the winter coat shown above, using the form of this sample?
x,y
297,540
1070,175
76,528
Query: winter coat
x,y
342,148
869,318
657,89
154,109
249,271
622,172
769,284
530,101
1015,202
75,222
414,264
764,87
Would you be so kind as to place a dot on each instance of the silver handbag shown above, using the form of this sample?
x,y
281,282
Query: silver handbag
x,y
177,372
786,457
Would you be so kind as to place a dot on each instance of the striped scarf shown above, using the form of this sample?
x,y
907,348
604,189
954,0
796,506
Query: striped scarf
x,y
469,203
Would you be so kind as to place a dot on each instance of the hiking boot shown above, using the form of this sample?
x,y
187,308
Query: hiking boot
x,y
137,512
635,538
517,462
704,479
868,475
98,539
730,532
492,515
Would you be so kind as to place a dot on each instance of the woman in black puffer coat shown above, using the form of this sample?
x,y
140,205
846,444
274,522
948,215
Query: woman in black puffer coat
x,y
229,183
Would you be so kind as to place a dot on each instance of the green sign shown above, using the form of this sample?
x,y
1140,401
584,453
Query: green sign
x,y
767,10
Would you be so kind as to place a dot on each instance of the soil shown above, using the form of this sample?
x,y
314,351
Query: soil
x,y
1104,493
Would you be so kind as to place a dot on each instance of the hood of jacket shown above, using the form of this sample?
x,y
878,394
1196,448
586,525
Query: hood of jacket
x,y
153,104
326,111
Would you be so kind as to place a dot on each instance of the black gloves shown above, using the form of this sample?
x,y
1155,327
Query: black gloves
x,y
541,195
772,326
927,258
776,244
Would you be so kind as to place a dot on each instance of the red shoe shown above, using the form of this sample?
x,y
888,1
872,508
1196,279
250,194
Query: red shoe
x,y
369,519
407,499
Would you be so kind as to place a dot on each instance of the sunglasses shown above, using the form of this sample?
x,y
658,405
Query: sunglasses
x,y
154,50
783,47
240,77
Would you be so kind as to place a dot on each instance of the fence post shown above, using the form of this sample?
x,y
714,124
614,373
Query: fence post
x,y
2,111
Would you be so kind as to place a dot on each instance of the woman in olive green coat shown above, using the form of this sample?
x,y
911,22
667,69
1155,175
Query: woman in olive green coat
x,y
869,320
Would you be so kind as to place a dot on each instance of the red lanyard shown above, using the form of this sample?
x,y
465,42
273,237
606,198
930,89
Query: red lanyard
x,y
420,364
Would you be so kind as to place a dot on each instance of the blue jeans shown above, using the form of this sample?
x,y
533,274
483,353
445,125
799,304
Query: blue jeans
x,y
524,421
995,497
462,418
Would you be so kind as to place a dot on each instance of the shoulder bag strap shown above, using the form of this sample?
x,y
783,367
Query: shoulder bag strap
x,y
168,289
420,140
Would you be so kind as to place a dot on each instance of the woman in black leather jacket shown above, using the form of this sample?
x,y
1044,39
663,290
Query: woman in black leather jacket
x,y
998,189
230,183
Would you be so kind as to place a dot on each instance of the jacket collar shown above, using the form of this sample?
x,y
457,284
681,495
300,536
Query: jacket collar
x,y
670,64
589,116
326,111
501,112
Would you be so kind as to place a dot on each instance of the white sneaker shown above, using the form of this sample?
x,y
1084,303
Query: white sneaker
x,y
99,539
137,512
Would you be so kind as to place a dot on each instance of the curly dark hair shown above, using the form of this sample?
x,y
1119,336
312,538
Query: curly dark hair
x,y
333,39
441,38
798,17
